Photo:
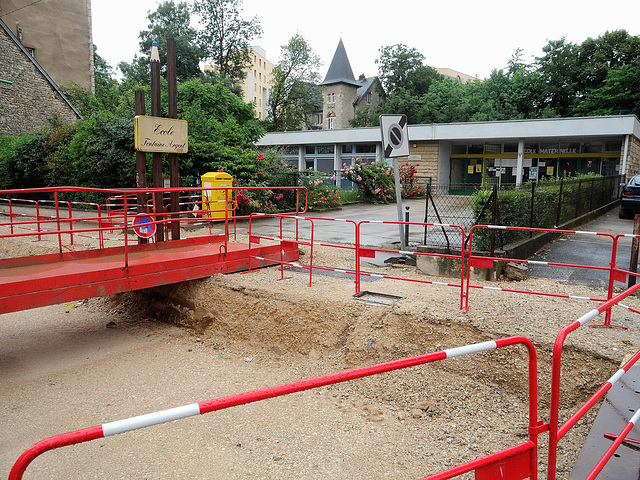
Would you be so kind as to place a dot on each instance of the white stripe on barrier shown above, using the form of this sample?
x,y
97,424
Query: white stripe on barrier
x,y
636,417
537,262
585,232
149,419
492,288
575,297
440,283
616,376
497,227
467,349
588,316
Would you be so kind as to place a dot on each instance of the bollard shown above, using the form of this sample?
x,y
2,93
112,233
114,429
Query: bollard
x,y
406,227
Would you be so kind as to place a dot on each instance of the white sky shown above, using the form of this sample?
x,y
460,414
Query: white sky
x,y
469,36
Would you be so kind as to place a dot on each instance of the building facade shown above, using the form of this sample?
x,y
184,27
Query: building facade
x,y
257,82
343,95
58,34
462,157
29,97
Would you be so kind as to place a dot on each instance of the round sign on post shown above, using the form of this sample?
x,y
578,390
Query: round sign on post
x,y
144,225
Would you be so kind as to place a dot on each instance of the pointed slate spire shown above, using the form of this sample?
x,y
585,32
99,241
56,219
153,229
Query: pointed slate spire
x,y
340,69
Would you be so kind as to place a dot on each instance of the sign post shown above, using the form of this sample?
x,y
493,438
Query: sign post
x,y
395,143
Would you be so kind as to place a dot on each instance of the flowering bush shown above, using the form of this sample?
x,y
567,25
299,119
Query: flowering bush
x,y
409,181
249,201
374,180
322,193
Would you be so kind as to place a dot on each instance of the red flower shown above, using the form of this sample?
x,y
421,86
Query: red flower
x,y
260,173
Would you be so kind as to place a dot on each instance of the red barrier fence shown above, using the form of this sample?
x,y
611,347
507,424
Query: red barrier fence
x,y
556,432
521,457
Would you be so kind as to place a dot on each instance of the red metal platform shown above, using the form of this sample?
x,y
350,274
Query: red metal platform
x,y
37,281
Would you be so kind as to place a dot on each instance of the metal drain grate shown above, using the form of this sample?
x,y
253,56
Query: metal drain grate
x,y
378,298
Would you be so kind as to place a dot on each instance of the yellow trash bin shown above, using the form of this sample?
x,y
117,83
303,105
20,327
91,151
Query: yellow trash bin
x,y
214,200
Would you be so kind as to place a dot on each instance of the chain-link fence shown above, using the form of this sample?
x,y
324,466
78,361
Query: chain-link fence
x,y
544,205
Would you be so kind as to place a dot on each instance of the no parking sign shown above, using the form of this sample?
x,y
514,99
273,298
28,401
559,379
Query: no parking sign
x,y
144,225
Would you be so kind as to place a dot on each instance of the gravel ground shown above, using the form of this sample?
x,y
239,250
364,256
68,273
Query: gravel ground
x,y
76,365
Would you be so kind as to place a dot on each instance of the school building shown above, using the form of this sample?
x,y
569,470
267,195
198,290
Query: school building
x,y
465,156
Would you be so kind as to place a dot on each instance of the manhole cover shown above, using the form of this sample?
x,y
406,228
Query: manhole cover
x,y
379,298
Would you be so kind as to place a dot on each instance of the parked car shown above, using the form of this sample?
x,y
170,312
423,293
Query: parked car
x,y
630,200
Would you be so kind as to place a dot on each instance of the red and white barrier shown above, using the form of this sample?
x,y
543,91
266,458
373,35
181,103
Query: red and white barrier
x,y
527,449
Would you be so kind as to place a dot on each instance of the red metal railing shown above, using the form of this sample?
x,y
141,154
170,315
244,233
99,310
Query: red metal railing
x,y
370,253
522,456
556,431
487,262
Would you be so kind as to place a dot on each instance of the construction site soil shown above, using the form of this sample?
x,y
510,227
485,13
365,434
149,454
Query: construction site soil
x,y
90,362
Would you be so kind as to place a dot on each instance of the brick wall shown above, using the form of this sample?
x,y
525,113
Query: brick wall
x,y
30,100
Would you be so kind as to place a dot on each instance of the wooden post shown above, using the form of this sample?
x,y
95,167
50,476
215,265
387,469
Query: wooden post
x,y
633,262
141,163
174,177
156,111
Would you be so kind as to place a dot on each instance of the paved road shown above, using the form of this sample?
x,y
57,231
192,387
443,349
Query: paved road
x,y
586,249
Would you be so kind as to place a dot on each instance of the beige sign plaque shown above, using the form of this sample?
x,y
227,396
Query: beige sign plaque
x,y
156,134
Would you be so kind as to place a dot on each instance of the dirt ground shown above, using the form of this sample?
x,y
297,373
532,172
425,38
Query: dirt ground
x,y
86,363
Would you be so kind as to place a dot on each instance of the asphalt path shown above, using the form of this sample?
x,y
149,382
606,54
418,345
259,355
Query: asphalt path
x,y
583,249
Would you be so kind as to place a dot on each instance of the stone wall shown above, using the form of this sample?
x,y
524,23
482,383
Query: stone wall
x,y
59,34
30,100
633,160
343,106
424,156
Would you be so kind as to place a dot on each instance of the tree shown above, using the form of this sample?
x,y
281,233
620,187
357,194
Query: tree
x,y
170,20
619,94
597,56
294,94
557,70
225,35
396,64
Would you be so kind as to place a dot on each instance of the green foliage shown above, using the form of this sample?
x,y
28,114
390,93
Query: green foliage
x,y
294,95
396,64
598,77
579,195
222,132
23,163
225,35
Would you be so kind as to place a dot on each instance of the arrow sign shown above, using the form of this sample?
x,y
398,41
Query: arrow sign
x,y
395,135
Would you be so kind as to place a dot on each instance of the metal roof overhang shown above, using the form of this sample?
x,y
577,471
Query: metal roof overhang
x,y
511,130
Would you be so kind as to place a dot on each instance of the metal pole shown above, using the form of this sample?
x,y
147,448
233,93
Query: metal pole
x,y
396,177
633,262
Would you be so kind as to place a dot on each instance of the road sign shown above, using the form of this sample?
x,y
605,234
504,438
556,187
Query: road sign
x,y
395,135
143,225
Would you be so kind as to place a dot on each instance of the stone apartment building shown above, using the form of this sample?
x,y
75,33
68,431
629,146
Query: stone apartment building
x,y
57,33
29,97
